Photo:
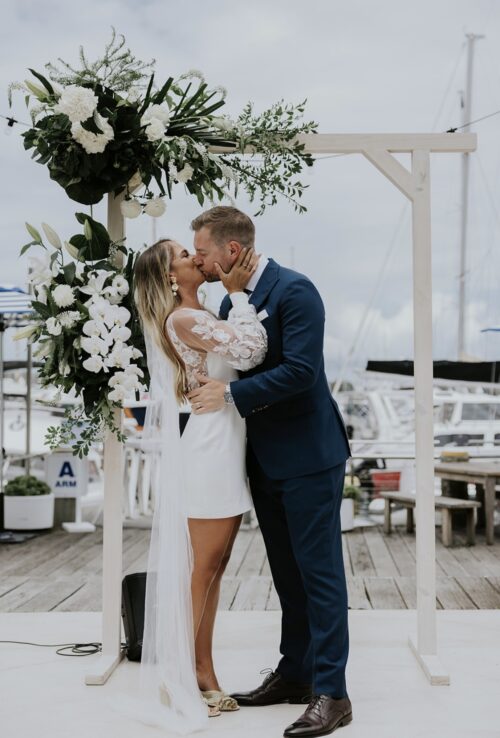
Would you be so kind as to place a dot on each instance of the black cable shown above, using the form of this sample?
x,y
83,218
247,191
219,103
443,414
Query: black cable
x,y
490,115
77,649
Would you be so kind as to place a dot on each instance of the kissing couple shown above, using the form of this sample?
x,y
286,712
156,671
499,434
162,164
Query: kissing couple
x,y
264,431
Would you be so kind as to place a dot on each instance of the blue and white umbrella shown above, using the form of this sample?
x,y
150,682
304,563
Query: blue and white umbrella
x,y
14,301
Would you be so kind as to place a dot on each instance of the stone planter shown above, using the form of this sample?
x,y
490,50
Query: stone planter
x,y
347,514
28,512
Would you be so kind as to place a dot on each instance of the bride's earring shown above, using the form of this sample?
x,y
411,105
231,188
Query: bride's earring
x,y
175,286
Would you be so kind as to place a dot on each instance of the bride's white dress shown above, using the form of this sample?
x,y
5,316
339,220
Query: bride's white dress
x,y
213,444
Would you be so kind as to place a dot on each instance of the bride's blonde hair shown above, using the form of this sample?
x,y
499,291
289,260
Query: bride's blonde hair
x,y
155,300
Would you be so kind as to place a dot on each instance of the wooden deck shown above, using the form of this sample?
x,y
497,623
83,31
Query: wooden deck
x,y
60,571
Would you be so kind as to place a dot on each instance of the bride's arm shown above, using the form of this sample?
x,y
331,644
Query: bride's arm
x,y
241,340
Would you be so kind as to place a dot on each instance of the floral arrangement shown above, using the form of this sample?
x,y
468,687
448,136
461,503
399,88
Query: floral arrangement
x,y
86,329
107,127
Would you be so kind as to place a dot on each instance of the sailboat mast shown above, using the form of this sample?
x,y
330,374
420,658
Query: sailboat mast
x,y
466,105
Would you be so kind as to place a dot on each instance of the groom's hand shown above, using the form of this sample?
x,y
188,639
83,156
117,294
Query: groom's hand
x,y
209,397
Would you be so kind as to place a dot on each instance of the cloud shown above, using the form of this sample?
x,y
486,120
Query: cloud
x,y
384,66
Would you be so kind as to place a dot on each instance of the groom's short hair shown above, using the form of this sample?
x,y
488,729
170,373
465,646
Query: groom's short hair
x,y
226,224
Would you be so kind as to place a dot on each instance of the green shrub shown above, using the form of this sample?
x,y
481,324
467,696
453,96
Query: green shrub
x,y
26,485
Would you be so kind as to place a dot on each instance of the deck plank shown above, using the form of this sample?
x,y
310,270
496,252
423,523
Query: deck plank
x,y
384,594
356,594
379,554
451,595
481,592
253,594
362,563
61,571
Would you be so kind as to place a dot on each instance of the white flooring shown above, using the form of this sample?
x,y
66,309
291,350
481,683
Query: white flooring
x,y
43,694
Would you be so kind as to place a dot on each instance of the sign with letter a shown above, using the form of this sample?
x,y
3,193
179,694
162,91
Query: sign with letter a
x,y
67,475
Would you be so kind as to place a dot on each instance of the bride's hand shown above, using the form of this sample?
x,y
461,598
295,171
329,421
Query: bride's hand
x,y
237,279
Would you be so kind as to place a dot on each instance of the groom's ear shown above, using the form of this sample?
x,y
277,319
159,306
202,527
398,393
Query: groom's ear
x,y
235,249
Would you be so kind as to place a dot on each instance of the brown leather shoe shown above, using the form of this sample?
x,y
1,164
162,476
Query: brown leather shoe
x,y
323,715
273,690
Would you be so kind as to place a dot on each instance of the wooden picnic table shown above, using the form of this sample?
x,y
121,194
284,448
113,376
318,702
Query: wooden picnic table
x,y
475,472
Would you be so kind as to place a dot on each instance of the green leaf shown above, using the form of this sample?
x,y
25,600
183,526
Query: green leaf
x,y
43,80
26,247
33,233
69,272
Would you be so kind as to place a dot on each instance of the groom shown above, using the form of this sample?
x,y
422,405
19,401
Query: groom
x,y
296,453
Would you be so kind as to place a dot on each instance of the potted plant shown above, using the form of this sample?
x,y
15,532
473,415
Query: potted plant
x,y
350,499
28,504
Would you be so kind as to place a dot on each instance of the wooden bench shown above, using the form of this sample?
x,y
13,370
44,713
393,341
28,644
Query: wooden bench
x,y
447,505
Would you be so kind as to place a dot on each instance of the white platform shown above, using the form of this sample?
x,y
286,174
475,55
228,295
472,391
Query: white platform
x,y
43,694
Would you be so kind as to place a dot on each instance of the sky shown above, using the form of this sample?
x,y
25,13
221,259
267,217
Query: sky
x,y
367,66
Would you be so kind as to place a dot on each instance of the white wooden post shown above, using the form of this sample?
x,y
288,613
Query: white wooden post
x,y
112,516
425,647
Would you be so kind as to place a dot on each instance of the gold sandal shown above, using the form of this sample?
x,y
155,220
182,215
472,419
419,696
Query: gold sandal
x,y
213,706
223,701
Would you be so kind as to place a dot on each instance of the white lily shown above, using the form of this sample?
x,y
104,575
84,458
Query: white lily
x,y
25,332
52,236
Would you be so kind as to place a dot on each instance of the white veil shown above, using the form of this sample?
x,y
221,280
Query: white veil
x,y
169,694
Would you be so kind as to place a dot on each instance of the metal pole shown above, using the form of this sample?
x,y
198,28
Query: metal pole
x,y
466,104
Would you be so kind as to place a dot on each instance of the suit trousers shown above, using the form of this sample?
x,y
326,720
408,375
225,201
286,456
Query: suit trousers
x,y
300,522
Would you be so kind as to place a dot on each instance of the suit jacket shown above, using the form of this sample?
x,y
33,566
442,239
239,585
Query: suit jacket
x,y
294,425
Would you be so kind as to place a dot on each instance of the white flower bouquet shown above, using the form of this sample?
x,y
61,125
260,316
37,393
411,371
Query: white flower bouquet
x,y
107,127
86,329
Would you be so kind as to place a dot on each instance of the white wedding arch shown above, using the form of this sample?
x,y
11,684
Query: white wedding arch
x,y
378,148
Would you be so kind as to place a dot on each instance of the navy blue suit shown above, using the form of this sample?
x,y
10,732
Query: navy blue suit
x,y
297,447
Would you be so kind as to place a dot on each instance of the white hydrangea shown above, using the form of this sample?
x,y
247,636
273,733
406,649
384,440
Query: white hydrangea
x,y
130,208
78,103
63,295
93,143
160,112
69,318
155,207
155,130
53,327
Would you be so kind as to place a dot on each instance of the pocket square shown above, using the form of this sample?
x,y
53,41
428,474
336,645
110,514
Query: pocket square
x,y
262,315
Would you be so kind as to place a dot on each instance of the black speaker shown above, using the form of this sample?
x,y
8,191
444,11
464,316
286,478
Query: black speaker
x,y
133,602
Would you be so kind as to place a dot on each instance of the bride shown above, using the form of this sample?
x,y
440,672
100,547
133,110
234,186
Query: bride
x,y
199,480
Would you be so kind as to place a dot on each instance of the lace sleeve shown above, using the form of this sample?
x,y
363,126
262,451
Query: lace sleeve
x,y
241,339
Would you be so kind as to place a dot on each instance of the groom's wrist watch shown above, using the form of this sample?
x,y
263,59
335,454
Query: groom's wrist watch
x,y
228,397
